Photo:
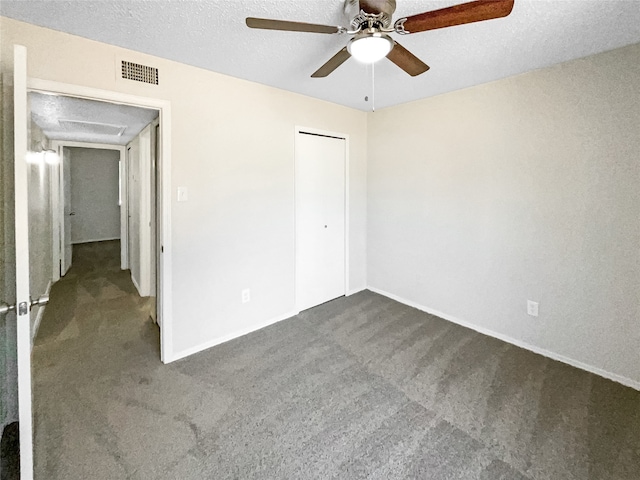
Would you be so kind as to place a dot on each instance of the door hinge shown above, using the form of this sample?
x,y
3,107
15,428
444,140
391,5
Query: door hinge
x,y
23,308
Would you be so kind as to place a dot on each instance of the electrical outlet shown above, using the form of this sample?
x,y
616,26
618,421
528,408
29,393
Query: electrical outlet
x,y
246,295
532,308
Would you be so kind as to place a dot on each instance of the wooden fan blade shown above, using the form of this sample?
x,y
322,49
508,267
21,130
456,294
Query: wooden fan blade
x,y
333,63
457,15
406,60
267,24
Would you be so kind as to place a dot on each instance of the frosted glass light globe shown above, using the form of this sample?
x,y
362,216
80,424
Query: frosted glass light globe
x,y
370,48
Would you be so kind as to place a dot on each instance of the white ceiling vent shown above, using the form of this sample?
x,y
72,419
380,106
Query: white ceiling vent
x,y
95,128
139,73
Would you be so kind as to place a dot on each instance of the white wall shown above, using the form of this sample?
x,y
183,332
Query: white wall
x,y
232,147
94,195
525,188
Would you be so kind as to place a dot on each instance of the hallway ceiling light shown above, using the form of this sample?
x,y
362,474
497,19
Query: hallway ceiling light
x,y
51,157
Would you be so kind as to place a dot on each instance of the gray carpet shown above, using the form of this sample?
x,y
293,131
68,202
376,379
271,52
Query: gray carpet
x,y
360,387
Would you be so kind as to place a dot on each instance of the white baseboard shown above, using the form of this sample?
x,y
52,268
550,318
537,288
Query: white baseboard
x,y
231,336
505,338
135,284
355,290
40,314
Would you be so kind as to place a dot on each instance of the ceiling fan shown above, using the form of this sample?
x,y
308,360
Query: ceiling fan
x,y
372,25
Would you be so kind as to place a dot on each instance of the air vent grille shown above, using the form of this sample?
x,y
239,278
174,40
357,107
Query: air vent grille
x,y
139,73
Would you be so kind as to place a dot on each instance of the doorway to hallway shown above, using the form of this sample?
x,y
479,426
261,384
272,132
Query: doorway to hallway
x,y
105,185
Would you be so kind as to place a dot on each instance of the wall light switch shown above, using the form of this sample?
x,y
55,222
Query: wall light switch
x,y
183,194
532,308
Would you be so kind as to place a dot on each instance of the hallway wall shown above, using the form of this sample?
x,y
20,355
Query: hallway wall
x,y
94,195
40,221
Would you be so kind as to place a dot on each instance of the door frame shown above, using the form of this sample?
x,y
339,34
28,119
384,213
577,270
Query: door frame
x,y
316,131
57,201
164,252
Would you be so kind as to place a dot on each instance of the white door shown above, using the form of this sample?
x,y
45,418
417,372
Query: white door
x,y
23,294
143,195
56,215
67,212
133,202
153,204
320,163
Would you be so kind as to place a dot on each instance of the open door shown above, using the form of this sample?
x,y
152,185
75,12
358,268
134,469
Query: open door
x,y
23,294
24,303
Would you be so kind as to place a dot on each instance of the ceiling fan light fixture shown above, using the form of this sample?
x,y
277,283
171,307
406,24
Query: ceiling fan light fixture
x,y
370,47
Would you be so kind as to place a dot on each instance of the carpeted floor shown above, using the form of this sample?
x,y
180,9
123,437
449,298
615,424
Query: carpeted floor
x,y
360,387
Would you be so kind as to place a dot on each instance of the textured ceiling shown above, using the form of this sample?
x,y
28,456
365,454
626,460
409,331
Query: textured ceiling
x,y
211,34
88,118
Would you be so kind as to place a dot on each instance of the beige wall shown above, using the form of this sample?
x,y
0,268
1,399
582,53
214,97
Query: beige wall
x,y
233,148
525,188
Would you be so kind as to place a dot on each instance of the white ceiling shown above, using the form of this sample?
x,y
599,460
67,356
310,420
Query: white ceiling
x,y
81,120
211,34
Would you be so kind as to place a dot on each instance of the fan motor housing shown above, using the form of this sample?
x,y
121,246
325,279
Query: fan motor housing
x,y
363,10
378,6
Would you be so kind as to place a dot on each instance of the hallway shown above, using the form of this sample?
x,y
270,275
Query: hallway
x,y
94,330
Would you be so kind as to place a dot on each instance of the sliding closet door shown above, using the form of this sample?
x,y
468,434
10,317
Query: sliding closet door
x,y
320,219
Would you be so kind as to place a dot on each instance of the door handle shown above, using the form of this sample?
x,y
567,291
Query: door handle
x,y
39,302
4,308
71,214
